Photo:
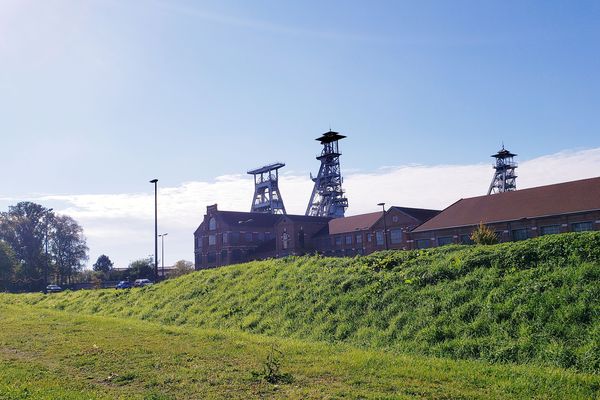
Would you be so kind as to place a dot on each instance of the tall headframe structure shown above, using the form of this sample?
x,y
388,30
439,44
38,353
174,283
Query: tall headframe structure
x,y
267,198
505,179
327,198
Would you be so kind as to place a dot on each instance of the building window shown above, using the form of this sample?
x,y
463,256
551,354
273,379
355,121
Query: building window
x,y
338,240
549,230
466,239
423,243
348,239
442,241
236,255
582,226
379,238
396,236
268,236
225,238
248,237
211,258
212,240
369,237
519,234
212,224
261,237
395,218
199,242
223,256
358,238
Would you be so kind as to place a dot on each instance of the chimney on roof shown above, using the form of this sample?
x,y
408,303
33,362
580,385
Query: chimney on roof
x,y
505,179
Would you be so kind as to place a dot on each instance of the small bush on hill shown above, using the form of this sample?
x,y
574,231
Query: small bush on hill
x,y
483,234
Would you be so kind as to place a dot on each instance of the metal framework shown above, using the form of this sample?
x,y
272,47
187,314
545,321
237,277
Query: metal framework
x,y
505,179
267,198
327,198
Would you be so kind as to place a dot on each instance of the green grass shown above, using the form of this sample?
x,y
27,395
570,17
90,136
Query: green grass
x,y
536,301
47,354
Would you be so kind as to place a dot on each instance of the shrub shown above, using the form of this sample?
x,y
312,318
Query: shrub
x,y
483,234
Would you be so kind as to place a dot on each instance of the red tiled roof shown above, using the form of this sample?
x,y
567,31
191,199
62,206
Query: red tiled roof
x,y
353,223
561,198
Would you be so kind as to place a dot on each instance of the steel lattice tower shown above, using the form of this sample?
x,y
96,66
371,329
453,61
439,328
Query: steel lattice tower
x,y
267,198
505,179
327,198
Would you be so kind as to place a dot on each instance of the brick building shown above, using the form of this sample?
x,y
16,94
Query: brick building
x,y
518,215
364,234
228,237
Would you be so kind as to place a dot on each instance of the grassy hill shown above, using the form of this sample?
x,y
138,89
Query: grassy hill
x,y
536,301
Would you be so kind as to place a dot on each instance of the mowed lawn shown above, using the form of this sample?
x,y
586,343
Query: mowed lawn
x,y
47,354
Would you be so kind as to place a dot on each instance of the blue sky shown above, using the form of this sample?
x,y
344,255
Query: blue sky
x,y
98,97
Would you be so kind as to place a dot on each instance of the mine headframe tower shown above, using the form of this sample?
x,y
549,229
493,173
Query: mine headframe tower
x,y
327,198
267,198
505,179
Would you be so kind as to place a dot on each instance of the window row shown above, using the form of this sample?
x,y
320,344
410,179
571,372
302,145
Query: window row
x,y
233,238
395,237
516,234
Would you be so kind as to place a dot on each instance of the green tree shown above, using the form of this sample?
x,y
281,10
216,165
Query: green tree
x,y
69,248
103,264
142,268
182,267
483,234
25,227
8,265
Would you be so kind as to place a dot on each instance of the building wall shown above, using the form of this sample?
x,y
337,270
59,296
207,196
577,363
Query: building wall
x,y
509,231
366,241
224,243
297,236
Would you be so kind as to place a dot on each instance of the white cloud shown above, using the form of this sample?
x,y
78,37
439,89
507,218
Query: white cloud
x,y
122,225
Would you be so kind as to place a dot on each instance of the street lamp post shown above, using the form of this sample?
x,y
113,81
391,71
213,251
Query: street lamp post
x,y
384,225
162,257
155,181
47,260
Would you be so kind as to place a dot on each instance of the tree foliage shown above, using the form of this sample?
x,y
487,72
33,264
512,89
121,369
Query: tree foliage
x,y
182,267
103,264
43,244
142,268
69,248
483,234
8,265
24,227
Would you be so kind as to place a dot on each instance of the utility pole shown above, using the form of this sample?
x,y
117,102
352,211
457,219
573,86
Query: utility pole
x,y
155,181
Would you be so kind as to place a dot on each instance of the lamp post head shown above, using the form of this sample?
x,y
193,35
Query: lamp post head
x,y
154,181
381,204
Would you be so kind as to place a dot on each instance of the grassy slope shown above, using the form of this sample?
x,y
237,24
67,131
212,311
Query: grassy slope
x,y
46,354
534,301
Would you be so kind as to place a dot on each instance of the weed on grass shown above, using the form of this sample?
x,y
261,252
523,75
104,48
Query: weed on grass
x,y
271,371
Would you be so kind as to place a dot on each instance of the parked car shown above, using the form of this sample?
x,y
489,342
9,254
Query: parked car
x,y
124,285
142,282
53,289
